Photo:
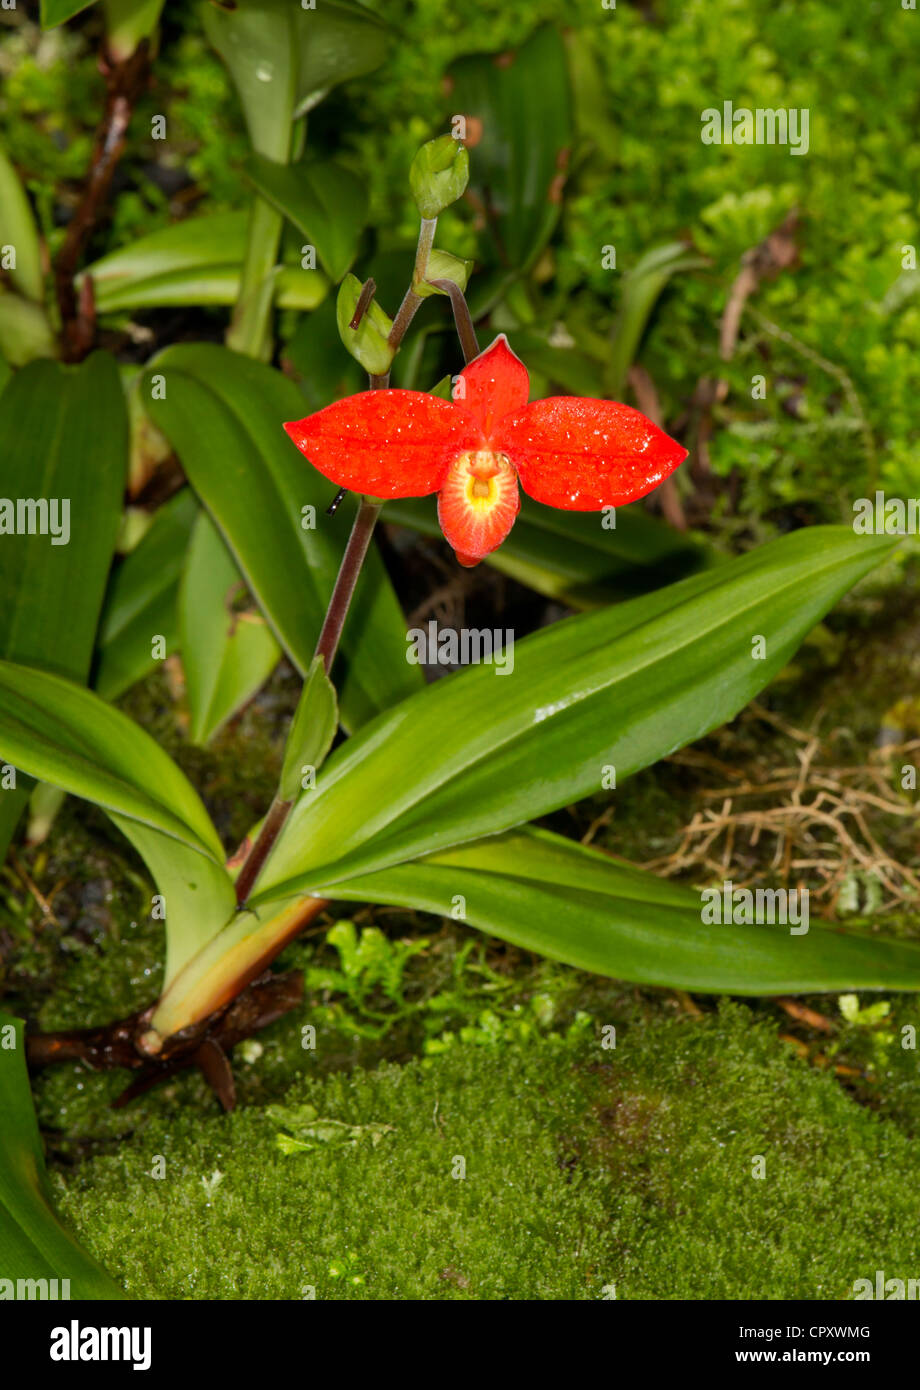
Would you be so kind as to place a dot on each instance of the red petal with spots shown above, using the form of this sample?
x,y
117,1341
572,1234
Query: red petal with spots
x,y
494,384
477,504
386,443
581,455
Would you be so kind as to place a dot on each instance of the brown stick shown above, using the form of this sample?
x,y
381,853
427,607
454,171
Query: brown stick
x,y
125,81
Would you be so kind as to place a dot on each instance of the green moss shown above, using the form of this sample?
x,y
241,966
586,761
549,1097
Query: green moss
x,y
585,1168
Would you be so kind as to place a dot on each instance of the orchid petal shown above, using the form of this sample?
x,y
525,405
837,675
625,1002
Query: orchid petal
x,y
494,384
386,443
583,455
478,504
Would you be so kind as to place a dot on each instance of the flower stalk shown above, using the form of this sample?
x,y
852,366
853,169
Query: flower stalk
x,y
352,560
463,319
412,301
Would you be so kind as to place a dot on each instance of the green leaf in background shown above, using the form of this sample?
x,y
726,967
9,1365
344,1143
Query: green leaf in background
x,y
71,738
129,21
142,600
25,333
641,287
197,261
223,415
194,246
65,441
572,557
519,127
312,730
336,41
313,359
65,446
227,654
18,229
550,895
284,58
480,752
34,1242
54,12
325,202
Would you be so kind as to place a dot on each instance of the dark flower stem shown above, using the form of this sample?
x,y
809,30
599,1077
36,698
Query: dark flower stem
x,y
272,825
412,301
350,568
462,318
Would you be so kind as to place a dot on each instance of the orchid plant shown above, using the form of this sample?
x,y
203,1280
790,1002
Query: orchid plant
x,y
428,803
391,790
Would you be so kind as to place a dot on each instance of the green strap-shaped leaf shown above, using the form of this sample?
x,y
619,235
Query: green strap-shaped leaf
x,y
18,230
196,261
642,285
129,21
549,895
54,12
227,655
223,415
142,599
69,737
65,456
481,751
25,333
326,203
35,1245
523,132
197,893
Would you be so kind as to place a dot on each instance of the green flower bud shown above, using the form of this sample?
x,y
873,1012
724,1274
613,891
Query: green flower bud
x,y
439,174
442,266
368,342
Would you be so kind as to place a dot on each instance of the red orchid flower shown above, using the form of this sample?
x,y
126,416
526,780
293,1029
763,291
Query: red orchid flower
x,y
566,451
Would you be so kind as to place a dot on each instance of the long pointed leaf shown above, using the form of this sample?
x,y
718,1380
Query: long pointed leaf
x,y
227,655
18,229
326,203
71,738
480,752
141,602
35,1245
65,441
68,736
550,895
197,261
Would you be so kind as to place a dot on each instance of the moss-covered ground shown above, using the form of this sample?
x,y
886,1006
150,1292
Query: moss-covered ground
x,y
698,1159
460,1125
